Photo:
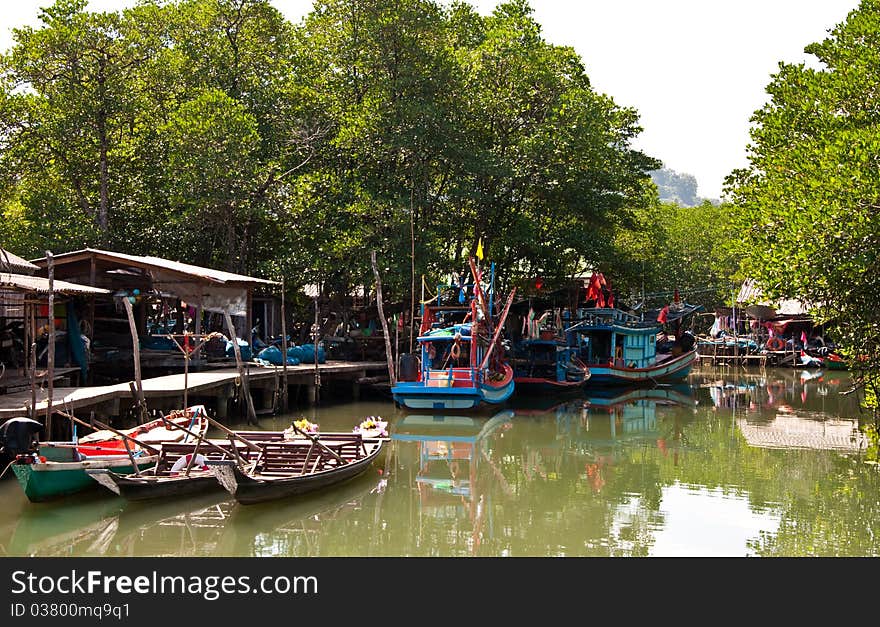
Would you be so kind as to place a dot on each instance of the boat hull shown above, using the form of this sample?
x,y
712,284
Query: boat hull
x,y
50,480
148,488
249,490
417,395
534,386
674,369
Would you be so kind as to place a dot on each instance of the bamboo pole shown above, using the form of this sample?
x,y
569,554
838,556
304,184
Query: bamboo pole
x,y
187,355
33,368
388,354
136,356
412,269
50,360
233,434
251,412
498,329
284,403
315,347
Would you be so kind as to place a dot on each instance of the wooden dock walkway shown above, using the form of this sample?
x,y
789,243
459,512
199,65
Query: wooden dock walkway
x,y
167,391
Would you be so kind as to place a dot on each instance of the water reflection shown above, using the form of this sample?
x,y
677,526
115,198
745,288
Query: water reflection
x,y
736,463
789,409
452,485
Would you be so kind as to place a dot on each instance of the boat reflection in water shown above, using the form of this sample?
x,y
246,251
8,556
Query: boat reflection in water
x,y
607,416
452,452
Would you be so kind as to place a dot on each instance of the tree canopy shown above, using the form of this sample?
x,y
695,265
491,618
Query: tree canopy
x,y
808,201
219,133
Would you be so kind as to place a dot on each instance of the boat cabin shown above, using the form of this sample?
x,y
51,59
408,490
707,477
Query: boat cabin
x,y
612,336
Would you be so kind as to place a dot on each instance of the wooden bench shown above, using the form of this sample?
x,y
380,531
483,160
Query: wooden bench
x,y
302,456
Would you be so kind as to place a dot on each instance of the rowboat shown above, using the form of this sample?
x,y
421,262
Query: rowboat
x,y
58,469
293,467
180,469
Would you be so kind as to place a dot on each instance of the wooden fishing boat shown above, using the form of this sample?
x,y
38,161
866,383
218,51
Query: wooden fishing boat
x,y
547,365
620,349
180,469
105,442
462,363
293,467
57,469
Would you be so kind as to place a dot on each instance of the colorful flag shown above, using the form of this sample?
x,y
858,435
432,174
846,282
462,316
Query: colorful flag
x,y
480,249
661,317
804,338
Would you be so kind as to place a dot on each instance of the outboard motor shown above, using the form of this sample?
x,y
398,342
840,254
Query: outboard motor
x,y
19,437
409,367
687,341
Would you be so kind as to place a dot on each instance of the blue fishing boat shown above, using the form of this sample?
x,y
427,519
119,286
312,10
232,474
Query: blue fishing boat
x,y
461,359
623,348
547,365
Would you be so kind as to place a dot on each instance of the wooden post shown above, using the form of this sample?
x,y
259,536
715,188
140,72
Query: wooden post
x,y
90,315
392,378
50,360
316,397
33,411
252,413
186,369
32,321
136,354
284,403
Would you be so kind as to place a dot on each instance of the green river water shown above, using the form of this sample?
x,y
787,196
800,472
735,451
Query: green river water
x,y
734,463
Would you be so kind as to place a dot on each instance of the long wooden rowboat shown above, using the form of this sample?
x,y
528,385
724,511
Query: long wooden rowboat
x,y
293,467
168,478
60,469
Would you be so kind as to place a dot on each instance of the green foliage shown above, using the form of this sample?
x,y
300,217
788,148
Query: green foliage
x,y
669,246
808,202
216,132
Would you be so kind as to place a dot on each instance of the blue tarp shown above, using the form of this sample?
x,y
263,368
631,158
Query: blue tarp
x,y
272,354
307,354
244,348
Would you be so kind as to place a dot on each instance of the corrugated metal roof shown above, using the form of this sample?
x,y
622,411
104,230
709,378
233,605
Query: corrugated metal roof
x,y
751,294
209,274
40,285
15,264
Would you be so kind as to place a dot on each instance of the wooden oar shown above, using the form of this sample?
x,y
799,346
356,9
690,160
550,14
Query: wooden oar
x,y
498,330
198,437
233,434
101,425
315,441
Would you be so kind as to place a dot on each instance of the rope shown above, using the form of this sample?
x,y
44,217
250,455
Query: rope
x,y
8,466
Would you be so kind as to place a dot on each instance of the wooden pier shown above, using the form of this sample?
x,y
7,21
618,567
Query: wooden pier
x,y
214,386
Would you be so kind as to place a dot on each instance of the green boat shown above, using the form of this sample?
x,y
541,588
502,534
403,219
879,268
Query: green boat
x,y
43,481
57,469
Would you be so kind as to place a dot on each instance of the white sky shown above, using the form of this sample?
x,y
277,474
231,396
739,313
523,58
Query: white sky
x,y
694,69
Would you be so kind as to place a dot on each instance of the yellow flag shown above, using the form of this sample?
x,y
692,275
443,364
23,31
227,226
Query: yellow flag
x,y
480,249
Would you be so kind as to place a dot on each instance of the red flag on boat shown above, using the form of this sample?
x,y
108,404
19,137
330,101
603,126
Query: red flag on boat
x,y
593,288
804,338
661,317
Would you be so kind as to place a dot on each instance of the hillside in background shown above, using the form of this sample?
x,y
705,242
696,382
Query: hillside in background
x,y
680,188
